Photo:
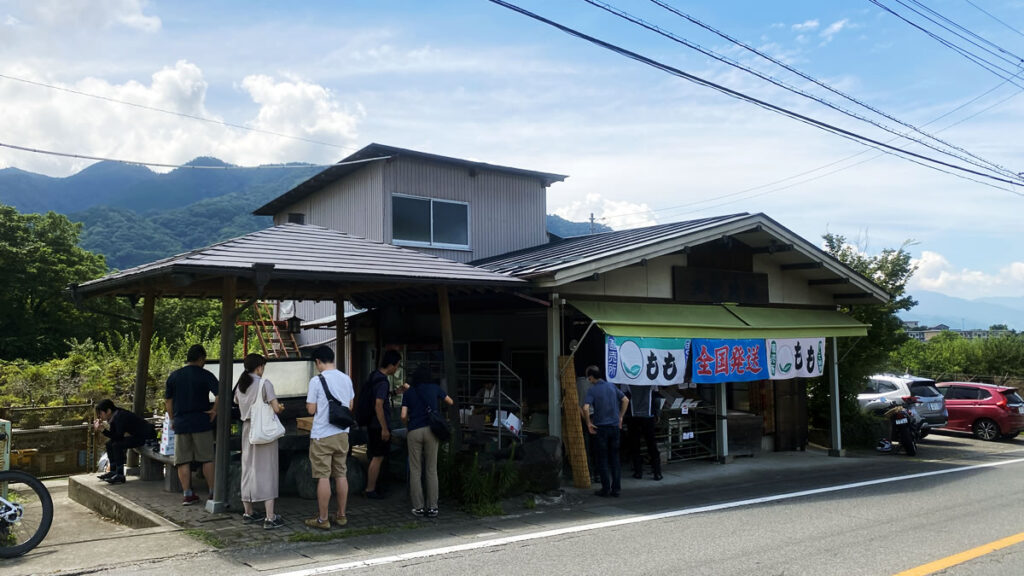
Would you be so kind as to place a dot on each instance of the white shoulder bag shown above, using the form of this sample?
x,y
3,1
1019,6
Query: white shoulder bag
x,y
264,426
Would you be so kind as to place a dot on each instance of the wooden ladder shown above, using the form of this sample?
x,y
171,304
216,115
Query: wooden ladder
x,y
273,335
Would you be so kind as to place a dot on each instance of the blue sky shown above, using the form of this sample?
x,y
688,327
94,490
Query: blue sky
x,y
472,79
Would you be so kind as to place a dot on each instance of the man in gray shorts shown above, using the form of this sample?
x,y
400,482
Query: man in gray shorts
x,y
187,399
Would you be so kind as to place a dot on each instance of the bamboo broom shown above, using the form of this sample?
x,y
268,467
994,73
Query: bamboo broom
x,y
572,429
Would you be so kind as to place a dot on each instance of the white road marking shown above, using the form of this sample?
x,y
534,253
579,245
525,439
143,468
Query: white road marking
x,y
444,550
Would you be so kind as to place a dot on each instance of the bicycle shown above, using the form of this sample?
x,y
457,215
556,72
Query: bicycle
x,y
26,511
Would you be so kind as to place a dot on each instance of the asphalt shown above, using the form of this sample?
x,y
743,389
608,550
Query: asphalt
x,y
82,541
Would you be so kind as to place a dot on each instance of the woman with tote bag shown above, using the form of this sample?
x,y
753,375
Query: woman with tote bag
x,y
260,475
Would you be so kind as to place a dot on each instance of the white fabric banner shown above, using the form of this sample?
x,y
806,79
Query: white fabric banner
x,y
646,361
795,358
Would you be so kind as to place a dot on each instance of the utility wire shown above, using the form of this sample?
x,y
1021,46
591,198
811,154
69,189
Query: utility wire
x,y
829,165
990,15
921,159
1014,59
979,161
158,164
179,114
982,62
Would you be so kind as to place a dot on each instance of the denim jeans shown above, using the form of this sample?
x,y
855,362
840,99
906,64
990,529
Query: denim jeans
x,y
606,456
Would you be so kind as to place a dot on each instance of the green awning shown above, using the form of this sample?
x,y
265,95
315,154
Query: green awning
x,y
716,321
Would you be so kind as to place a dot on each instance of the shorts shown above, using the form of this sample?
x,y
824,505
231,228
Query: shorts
x,y
195,447
328,456
376,446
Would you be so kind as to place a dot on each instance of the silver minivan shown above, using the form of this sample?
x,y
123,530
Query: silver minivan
x,y
884,388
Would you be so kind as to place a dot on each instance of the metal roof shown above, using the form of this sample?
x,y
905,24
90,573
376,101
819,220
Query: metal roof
x,y
571,259
378,152
295,261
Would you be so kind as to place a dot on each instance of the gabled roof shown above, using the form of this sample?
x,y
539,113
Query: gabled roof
x,y
294,261
565,261
379,152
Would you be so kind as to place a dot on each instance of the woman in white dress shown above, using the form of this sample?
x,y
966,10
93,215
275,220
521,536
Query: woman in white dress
x,y
260,474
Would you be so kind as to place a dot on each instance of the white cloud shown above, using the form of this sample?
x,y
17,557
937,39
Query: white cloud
x,y
833,29
55,120
97,14
937,274
618,214
806,25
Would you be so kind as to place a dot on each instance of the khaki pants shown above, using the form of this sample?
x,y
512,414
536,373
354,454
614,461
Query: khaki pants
x,y
422,445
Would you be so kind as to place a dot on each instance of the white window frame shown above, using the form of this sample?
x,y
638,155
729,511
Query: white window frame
x,y
431,244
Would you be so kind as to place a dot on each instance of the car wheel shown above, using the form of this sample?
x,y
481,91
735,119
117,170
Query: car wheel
x,y
923,434
986,429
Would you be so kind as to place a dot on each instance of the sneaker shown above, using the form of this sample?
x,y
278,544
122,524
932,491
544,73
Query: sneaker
x,y
431,513
417,512
318,523
116,479
271,523
189,500
249,519
339,521
373,495
106,475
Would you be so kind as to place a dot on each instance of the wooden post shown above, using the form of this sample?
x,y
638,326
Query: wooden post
x,y
223,420
142,365
450,385
721,423
833,401
554,370
339,334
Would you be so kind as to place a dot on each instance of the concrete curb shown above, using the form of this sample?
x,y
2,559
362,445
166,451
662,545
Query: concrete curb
x,y
93,493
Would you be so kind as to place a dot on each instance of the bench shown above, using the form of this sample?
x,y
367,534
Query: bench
x,y
155,466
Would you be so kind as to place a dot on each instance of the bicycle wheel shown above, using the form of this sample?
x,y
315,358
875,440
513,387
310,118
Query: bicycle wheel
x,y
26,512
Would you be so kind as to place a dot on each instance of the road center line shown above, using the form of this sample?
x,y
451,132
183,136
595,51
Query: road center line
x,y
444,550
964,556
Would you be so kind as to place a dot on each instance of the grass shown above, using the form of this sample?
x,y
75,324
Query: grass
x,y
205,537
348,533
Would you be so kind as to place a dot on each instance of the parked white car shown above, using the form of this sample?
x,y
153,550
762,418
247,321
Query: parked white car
x,y
884,388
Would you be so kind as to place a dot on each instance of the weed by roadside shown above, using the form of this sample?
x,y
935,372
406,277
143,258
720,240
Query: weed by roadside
x,y
349,533
205,537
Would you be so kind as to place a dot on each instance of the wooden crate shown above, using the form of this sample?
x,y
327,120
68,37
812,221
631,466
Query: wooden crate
x,y
305,423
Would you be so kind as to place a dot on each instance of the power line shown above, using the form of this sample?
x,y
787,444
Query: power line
x,y
990,15
179,114
1017,60
906,154
159,164
981,162
830,164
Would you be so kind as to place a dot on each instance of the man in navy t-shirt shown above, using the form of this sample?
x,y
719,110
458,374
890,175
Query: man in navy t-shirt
x,y
609,404
375,414
187,399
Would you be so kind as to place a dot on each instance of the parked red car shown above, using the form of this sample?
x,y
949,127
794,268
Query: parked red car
x,y
987,410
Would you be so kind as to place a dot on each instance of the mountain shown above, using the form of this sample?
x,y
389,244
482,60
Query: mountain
x,y
958,313
133,215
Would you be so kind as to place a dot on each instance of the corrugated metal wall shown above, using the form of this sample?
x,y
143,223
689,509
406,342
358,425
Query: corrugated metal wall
x,y
506,212
353,204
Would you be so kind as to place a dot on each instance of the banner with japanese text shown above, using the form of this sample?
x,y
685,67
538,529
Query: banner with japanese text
x,y
795,358
729,360
646,361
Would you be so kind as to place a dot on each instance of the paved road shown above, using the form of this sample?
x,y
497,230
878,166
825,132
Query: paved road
x,y
775,514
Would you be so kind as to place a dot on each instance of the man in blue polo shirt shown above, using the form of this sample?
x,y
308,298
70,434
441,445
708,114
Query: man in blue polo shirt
x,y
609,404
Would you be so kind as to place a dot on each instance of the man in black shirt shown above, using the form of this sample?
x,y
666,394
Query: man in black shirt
x,y
125,430
375,414
187,399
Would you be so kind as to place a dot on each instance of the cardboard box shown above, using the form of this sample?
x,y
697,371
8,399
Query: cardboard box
x,y
305,423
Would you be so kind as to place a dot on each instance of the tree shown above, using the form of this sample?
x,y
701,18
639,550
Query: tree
x,y
861,357
40,257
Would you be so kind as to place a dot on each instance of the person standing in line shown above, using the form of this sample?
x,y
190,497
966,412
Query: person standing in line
x,y
375,414
642,418
609,404
328,444
187,400
125,430
422,444
260,475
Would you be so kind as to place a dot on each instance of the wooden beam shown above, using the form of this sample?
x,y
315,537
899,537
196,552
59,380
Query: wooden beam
x,y
339,334
851,296
828,281
223,421
772,249
801,266
142,364
448,346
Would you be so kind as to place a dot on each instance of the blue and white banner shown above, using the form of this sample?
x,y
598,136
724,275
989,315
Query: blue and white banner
x,y
795,358
729,360
646,361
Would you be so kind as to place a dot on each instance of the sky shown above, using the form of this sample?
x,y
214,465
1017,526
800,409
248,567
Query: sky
x,y
314,81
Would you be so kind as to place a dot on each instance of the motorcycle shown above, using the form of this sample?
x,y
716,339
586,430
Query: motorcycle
x,y
905,425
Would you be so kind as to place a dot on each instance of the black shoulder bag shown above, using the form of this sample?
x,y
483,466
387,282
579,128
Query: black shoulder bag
x,y
337,414
437,422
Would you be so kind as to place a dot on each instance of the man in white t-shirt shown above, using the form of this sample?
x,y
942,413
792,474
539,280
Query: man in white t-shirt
x,y
328,444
